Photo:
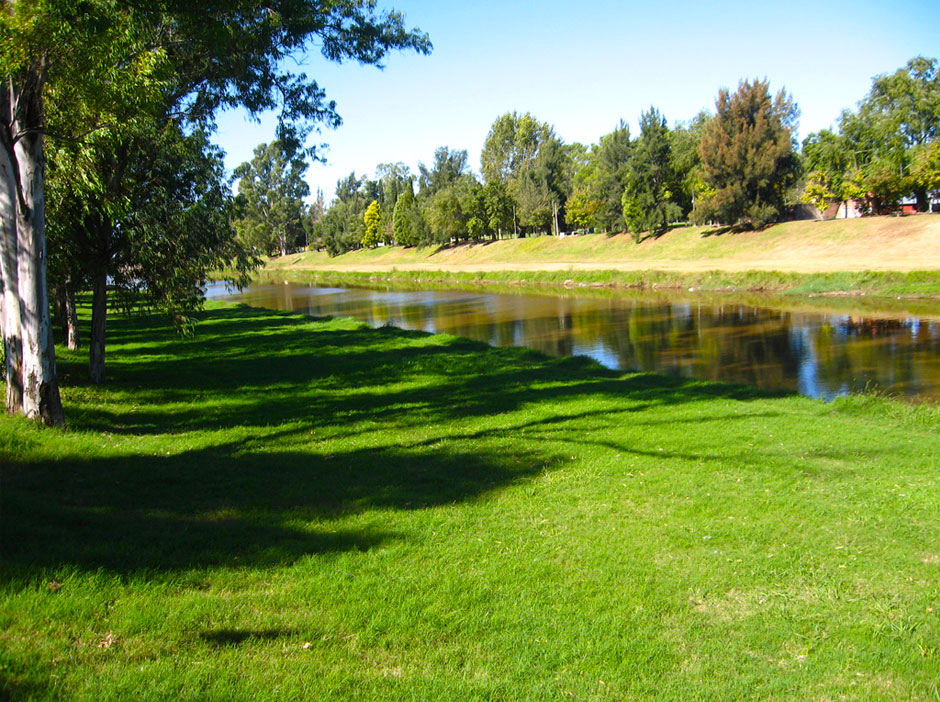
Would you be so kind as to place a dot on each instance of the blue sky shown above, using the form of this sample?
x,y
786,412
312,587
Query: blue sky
x,y
583,66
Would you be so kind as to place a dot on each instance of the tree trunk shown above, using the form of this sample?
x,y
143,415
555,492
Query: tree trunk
x,y
40,389
99,316
9,293
22,160
71,316
58,308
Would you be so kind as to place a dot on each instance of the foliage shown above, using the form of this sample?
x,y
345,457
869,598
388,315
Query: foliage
x,y
448,167
271,188
648,201
497,208
526,157
100,63
409,227
450,210
826,161
748,156
372,221
686,164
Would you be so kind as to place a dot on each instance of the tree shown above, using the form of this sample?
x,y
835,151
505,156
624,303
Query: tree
x,y
109,60
315,214
748,156
450,210
898,118
372,219
685,140
404,226
525,155
146,206
597,186
826,162
648,200
449,165
497,206
272,188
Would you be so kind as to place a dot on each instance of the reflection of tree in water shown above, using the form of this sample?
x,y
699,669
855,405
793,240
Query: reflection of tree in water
x,y
725,343
737,343
893,355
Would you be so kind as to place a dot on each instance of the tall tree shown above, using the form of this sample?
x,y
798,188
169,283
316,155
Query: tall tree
x,y
272,187
649,203
372,221
899,117
147,207
748,156
105,58
598,185
525,155
448,167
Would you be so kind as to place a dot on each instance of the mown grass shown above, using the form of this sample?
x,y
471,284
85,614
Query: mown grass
x,y
876,256
287,508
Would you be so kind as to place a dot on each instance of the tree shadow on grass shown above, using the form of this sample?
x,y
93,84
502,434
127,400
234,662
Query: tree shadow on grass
x,y
269,497
224,506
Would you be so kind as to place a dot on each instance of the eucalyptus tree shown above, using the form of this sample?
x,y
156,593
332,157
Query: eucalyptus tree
x,y
113,59
598,184
528,158
272,188
448,167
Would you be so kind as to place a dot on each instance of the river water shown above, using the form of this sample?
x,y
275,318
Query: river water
x,y
815,353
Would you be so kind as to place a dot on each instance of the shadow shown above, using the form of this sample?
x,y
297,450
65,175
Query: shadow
x,y
720,231
233,506
246,484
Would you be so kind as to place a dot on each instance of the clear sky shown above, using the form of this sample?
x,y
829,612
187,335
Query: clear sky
x,y
582,66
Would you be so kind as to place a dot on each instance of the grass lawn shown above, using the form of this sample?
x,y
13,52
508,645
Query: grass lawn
x,y
284,508
883,244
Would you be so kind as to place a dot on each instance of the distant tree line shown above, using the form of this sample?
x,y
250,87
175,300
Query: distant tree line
x,y
739,166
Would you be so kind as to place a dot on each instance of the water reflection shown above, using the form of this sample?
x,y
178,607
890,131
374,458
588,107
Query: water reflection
x,y
820,355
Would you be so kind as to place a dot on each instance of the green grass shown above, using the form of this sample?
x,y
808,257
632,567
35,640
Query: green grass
x,y
856,285
285,508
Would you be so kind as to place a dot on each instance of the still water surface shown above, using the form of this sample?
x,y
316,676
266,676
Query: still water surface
x,y
816,354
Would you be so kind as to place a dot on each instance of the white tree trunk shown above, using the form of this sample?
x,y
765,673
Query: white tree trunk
x,y
9,293
40,389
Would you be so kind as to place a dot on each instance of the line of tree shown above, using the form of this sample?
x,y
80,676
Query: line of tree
x,y
106,106
739,165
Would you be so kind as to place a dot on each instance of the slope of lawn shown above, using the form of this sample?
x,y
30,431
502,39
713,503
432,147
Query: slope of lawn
x,y
285,509
900,244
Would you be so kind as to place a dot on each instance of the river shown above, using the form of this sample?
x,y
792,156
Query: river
x,y
816,353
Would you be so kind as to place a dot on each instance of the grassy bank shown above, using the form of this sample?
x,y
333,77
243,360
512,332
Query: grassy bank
x,y
883,256
285,508
913,285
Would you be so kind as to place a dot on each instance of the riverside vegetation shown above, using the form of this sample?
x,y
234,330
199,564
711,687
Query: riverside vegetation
x,y
293,508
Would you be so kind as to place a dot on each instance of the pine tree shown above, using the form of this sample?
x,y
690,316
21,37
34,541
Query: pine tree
x,y
648,204
402,216
748,156
373,221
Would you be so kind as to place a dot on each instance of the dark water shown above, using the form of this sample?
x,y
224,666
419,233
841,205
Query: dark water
x,y
816,354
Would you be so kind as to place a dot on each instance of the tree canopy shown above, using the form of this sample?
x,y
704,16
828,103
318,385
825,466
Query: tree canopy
x,y
271,188
748,156
100,63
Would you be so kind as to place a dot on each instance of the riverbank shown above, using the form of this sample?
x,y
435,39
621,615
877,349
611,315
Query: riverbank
x,y
287,508
880,256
